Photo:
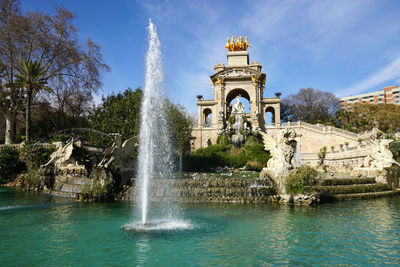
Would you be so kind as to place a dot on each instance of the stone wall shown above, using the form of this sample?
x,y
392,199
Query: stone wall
x,y
209,190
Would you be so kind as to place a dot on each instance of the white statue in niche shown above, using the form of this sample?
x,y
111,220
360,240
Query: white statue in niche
x,y
238,107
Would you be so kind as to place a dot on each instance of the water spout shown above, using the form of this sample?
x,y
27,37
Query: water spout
x,y
153,135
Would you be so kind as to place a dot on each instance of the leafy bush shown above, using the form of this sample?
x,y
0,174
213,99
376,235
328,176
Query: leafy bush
x,y
60,138
393,175
96,190
395,148
224,140
35,155
251,140
31,179
256,152
83,156
254,166
204,159
10,164
301,181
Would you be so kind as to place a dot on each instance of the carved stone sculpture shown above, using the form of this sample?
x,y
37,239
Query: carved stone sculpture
x,y
62,157
119,155
238,107
282,154
380,156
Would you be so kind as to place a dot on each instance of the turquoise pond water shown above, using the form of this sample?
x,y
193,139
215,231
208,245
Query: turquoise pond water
x,y
36,229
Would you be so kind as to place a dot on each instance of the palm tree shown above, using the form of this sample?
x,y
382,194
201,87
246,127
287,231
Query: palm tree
x,y
32,77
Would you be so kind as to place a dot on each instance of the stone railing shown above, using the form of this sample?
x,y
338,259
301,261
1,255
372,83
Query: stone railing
x,y
351,157
346,156
319,128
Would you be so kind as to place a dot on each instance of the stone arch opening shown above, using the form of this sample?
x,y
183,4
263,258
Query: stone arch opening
x,y
296,151
293,144
207,117
269,115
244,98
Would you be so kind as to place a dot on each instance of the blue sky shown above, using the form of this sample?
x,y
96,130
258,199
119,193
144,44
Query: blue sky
x,y
344,47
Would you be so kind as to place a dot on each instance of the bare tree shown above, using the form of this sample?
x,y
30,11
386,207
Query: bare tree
x,y
52,41
311,105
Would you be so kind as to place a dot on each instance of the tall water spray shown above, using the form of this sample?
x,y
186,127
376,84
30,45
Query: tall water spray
x,y
155,159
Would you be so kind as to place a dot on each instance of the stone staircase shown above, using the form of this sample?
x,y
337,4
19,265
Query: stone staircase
x,y
353,188
68,185
209,190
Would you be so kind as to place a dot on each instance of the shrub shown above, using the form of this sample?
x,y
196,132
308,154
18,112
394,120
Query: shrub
x,y
301,181
205,159
10,164
96,190
395,148
236,161
35,155
256,152
251,140
83,157
231,119
224,140
254,166
60,138
31,179
393,175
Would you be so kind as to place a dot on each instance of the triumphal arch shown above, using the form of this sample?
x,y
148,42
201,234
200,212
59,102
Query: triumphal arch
x,y
237,80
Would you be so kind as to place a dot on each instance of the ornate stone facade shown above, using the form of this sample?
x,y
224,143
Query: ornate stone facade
x,y
238,78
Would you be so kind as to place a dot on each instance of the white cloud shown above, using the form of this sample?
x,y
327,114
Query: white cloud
x,y
388,73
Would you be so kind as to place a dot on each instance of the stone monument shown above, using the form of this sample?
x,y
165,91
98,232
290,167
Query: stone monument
x,y
282,153
241,80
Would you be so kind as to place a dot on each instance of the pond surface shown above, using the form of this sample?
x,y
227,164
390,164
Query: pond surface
x,y
37,229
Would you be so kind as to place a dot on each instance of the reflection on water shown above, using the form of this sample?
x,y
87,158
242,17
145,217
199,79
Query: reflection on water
x,y
143,247
39,230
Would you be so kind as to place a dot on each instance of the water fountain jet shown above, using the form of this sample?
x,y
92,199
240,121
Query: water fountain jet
x,y
155,157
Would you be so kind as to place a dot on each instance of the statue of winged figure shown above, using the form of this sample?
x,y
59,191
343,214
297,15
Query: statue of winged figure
x,y
119,155
380,155
62,156
282,155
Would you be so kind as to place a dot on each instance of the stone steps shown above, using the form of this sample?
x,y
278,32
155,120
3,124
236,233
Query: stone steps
x,y
78,180
210,190
61,193
352,189
347,181
72,188
369,195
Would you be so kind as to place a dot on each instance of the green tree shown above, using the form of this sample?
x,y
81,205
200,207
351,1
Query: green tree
x,y
180,126
71,68
118,113
365,116
32,77
10,164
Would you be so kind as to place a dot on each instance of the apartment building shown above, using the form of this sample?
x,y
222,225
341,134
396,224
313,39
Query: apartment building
x,y
389,95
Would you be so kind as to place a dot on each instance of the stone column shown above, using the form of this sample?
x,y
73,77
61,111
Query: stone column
x,y
219,119
199,117
255,105
277,109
